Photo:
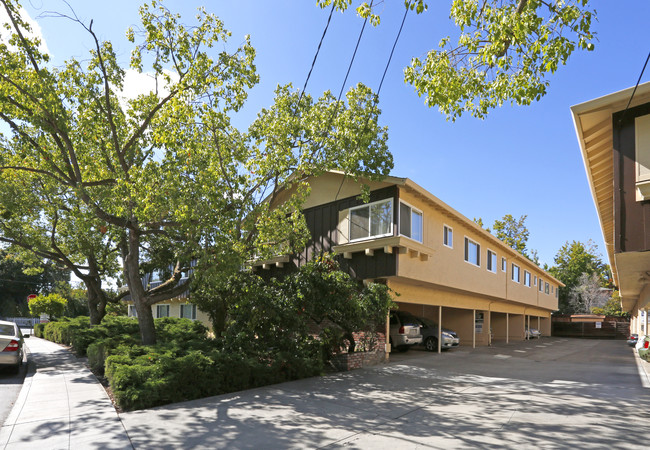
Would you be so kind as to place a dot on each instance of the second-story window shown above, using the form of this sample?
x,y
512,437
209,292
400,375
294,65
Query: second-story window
x,y
504,265
491,261
410,222
448,236
541,285
472,252
527,278
371,220
515,273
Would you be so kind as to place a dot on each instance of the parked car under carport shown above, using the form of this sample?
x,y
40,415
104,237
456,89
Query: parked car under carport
x,y
429,330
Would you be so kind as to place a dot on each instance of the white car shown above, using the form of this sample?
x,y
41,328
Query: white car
x,y
11,345
533,333
404,330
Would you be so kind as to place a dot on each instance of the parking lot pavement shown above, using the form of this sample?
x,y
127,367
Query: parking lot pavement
x,y
559,393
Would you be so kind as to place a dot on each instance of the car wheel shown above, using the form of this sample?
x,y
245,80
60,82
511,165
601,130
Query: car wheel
x,y
431,344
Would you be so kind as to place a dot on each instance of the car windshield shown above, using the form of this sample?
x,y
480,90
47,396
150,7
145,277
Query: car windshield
x,y
7,330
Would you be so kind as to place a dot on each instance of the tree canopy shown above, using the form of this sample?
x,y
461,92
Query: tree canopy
x,y
164,178
503,52
573,260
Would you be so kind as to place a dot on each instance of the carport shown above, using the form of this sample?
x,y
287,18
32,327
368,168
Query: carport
x,y
471,326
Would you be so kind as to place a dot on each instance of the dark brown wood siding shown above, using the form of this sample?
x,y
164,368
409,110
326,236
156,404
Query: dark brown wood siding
x,y
322,221
631,218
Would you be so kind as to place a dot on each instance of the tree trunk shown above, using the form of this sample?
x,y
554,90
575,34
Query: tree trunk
x,y
96,299
136,289
146,323
218,317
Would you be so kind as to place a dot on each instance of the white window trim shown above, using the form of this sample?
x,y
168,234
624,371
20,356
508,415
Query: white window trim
x,y
530,276
512,273
468,239
487,261
399,221
368,205
193,310
540,284
504,264
158,316
546,288
444,235
535,280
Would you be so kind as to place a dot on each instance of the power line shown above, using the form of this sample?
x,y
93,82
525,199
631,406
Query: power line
x,y
634,91
313,63
353,56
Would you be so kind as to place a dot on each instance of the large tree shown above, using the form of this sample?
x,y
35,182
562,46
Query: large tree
x,y
165,176
503,52
573,260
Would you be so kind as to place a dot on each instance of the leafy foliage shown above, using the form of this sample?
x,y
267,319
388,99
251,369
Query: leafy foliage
x,y
572,261
163,180
504,51
512,232
53,305
612,308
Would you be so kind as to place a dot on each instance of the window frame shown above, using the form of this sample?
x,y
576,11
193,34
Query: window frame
x,y
390,200
504,264
546,290
193,306
512,273
478,252
540,284
527,277
412,209
447,232
158,316
490,257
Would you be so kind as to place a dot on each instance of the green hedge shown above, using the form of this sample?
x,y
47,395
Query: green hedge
x,y
184,365
143,377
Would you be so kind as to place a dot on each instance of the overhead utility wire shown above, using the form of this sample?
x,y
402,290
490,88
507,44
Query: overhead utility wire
x,y
381,83
365,21
313,63
634,91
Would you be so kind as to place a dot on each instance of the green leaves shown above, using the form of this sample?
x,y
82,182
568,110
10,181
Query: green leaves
x,y
503,52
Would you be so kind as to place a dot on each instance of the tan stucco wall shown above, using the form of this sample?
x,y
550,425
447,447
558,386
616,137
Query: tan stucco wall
x,y
447,266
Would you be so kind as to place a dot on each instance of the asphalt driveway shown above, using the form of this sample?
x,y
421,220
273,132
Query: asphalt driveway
x,y
558,393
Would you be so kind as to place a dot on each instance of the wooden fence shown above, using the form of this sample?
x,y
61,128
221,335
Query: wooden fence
x,y
594,330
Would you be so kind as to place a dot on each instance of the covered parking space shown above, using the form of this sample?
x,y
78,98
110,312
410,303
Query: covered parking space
x,y
471,326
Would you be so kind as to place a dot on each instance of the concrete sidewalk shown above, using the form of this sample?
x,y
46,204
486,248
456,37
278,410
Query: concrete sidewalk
x,y
61,405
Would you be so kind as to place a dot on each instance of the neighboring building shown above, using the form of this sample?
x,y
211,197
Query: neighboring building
x,y
443,265
179,306
615,144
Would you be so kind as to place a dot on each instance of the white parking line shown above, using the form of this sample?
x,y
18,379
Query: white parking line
x,y
520,351
502,356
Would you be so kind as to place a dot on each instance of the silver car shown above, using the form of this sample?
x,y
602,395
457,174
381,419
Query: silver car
x,y
404,330
11,345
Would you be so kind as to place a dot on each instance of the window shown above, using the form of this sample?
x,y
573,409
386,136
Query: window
x,y
541,285
156,275
472,252
162,311
556,292
515,273
132,311
504,265
188,311
491,261
535,281
448,236
372,220
546,288
642,156
410,222
527,278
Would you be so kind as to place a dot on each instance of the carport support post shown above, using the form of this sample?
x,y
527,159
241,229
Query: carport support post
x,y
439,329
528,319
645,330
507,327
387,348
473,328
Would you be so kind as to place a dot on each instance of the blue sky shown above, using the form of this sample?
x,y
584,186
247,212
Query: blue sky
x,y
520,160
